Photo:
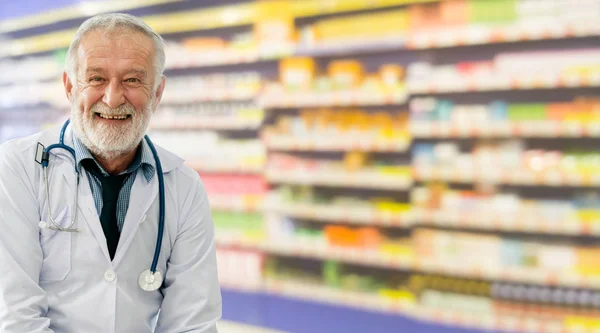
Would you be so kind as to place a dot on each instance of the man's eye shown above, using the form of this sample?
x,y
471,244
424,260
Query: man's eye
x,y
132,80
96,79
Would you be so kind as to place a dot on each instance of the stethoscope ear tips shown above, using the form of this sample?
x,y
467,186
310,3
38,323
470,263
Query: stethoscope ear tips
x,y
44,225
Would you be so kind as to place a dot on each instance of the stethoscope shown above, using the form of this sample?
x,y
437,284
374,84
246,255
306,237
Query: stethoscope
x,y
150,279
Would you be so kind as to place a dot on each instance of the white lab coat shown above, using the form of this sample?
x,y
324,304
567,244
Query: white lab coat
x,y
65,282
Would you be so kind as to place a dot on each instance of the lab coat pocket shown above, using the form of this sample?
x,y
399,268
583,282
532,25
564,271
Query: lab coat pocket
x,y
56,247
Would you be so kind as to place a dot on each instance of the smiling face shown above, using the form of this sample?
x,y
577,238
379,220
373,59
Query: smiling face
x,y
113,98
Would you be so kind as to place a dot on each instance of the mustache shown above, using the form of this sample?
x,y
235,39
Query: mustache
x,y
121,110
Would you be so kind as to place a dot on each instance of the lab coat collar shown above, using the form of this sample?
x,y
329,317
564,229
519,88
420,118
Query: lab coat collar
x,y
144,159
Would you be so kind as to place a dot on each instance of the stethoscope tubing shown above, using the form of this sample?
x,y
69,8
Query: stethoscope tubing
x,y
161,191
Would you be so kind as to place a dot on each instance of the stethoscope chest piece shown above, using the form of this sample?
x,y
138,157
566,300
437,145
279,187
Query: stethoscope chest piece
x,y
150,281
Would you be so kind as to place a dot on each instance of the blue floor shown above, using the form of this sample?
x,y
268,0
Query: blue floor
x,y
298,316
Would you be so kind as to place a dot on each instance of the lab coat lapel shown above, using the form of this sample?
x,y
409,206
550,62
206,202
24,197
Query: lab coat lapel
x,y
87,209
85,202
143,194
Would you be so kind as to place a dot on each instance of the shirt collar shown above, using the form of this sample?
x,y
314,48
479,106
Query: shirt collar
x,y
143,158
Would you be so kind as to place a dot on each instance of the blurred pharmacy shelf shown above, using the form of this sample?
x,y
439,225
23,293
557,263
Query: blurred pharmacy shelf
x,y
429,39
319,250
275,96
234,87
374,302
376,258
344,47
523,129
512,222
204,124
201,166
359,142
319,293
512,274
80,10
342,214
226,116
280,294
503,176
461,36
371,179
190,20
220,96
236,203
509,222
517,81
492,34
207,59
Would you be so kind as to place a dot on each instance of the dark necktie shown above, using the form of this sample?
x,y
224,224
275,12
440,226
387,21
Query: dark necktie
x,y
111,187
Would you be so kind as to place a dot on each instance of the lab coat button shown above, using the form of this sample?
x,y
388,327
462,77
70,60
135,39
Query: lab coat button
x,y
110,276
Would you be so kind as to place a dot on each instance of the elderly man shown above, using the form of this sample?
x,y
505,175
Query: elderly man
x,y
83,248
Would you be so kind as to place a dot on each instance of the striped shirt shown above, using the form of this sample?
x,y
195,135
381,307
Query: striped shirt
x,y
143,161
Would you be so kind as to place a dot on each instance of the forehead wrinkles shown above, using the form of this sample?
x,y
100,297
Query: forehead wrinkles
x,y
119,44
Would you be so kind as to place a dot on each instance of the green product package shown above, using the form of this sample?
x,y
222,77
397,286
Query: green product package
x,y
237,221
356,282
493,11
331,273
522,112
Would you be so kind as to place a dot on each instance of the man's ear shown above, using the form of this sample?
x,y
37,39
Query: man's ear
x,y
68,85
159,92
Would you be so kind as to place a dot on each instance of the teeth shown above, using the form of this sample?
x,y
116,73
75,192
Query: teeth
x,y
112,117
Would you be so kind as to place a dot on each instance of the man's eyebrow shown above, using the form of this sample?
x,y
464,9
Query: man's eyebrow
x,y
137,71
94,70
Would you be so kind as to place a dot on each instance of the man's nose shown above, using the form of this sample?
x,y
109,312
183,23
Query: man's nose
x,y
114,95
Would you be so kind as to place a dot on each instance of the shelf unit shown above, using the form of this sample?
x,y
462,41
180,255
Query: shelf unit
x,y
525,177
275,97
207,125
373,258
514,222
524,129
484,322
340,178
517,81
335,143
224,168
342,214
445,218
242,203
185,21
291,248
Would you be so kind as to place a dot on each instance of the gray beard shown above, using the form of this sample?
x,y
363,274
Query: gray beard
x,y
110,142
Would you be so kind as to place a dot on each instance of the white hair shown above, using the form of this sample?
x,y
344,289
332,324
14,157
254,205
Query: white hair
x,y
111,23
